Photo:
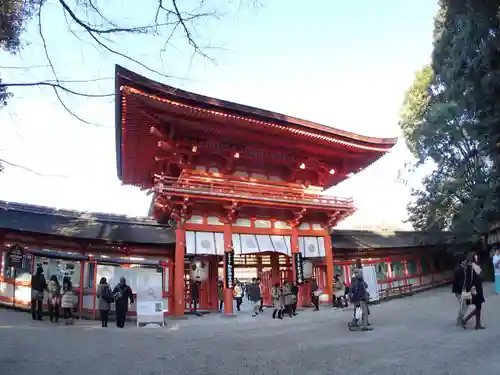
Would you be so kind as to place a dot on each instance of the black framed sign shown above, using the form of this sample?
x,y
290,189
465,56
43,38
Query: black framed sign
x,y
229,269
299,268
493,236
15,256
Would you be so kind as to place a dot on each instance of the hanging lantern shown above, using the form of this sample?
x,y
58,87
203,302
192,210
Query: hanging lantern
x,y
307,269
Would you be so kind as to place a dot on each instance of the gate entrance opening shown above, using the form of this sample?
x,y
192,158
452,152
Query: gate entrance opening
x,y
270,267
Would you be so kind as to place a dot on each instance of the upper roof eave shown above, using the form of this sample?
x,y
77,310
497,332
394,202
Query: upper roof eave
x,y
125,77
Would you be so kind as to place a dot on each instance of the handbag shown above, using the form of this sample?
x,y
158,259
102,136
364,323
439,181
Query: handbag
x,y
467,296
358,313
36,295
107,295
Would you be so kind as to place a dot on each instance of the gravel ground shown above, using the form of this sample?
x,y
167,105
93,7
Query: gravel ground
x,y
414,335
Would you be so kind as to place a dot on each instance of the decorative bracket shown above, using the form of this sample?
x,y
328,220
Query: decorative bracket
x,y
333,219
231,212
297,218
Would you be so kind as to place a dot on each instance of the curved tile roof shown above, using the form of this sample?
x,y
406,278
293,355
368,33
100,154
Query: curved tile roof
x,y
84,225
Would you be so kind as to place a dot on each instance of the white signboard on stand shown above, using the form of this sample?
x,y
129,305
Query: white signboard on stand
x,y
370,277
149,297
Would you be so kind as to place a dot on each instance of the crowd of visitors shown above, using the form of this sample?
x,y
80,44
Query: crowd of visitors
x,y
59,297
467,287
62,297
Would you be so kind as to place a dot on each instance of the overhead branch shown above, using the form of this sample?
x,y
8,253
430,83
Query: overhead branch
x,y
54,85
3,161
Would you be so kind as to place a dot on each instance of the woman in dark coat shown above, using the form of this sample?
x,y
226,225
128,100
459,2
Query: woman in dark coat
x,y
105,296
122,293
458,288
474,286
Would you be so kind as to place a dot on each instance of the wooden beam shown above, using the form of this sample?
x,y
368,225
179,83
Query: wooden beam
x,y
277,141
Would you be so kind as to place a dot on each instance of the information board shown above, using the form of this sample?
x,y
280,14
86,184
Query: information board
x,y
15,256
370,277
149,294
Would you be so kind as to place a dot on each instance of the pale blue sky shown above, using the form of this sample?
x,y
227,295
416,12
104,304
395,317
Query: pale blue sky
x,y
345,64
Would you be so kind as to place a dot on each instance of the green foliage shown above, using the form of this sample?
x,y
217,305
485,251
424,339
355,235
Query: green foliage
x,y
14,14
451,119
4,95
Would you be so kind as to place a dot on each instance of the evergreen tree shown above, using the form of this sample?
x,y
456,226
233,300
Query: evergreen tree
x,y
451,118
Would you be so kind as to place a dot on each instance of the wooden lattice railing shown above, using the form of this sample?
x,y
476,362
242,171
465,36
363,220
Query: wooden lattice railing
x,y
250,190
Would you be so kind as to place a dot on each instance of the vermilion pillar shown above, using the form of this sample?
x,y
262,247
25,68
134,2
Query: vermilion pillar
x,y
228,289
329,266
179,294
275,269
214,282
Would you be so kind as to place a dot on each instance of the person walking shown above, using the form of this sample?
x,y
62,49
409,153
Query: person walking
x,y
315,293
496,269
277,297
255,296
338,293
122,293
457,289
288,298
105,296
238,295
473,290
220,292
295,291
38,285
359,298
261,307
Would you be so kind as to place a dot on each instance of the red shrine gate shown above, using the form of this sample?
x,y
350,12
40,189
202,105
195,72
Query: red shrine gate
x,y
237,181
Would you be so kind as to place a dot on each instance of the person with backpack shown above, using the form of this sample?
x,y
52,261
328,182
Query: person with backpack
x,y
122,293
38,285
359,297
105,296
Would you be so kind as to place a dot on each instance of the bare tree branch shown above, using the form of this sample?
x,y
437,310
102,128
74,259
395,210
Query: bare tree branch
x,y
24,67
55,85
88,16
3,161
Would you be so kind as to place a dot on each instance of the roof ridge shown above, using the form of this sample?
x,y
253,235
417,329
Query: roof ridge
x,y
101,216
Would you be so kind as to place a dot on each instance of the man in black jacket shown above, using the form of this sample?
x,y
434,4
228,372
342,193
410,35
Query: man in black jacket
x,y
295,291
122,294
255,296
457,288
38,285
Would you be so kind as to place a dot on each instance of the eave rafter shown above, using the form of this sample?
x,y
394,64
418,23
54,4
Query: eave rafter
x,y
278,140
218,115
172,153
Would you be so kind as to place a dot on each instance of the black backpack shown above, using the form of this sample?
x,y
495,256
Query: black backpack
x,y
107,295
